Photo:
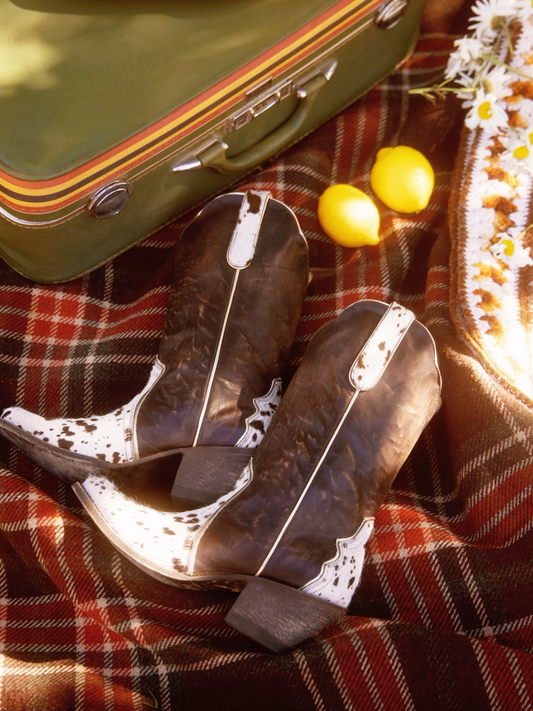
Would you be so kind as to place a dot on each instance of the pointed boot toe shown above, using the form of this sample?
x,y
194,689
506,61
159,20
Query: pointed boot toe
x,y
241,275
106,437
292,531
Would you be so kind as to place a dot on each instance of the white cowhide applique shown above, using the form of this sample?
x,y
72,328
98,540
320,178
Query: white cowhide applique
x,y
257,424
378,350
340,576
163,542
109,437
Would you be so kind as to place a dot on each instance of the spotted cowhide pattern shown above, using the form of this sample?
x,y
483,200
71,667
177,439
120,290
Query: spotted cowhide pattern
x,y
108,437
377,352
163,541
339,577
257,424
111,437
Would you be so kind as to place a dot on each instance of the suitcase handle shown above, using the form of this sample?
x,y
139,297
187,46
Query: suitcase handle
x,y
214,156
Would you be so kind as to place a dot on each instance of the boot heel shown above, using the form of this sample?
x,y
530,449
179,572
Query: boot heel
x,y
278,616
207,473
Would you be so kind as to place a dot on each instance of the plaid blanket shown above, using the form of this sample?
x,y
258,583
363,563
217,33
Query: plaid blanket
x,y
443,617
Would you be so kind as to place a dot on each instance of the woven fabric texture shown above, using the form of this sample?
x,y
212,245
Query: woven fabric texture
x,y
443,617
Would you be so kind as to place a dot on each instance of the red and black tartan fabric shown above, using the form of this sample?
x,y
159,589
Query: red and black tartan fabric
x,y
443,617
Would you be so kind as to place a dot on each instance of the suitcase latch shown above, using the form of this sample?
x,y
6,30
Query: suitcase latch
x,y
110,199
391,13
236,122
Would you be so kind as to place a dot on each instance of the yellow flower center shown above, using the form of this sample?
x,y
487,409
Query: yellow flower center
x,y
485,110
531,134
497,22
521,152
509,247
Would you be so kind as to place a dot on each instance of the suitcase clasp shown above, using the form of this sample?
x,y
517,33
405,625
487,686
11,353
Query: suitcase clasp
x,y
262,105
391,13
111,199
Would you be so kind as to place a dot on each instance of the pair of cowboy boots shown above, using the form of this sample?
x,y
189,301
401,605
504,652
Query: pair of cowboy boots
x,y
285,522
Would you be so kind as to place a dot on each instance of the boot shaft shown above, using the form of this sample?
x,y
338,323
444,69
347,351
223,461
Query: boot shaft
x,y
230,325
332,450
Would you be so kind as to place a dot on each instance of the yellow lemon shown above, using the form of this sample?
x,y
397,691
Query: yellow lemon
x,y
402,178
348,216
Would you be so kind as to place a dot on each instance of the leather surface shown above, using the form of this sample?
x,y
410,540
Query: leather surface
x,y
372,444
260,330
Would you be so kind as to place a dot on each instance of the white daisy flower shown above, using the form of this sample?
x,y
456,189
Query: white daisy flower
x,y
490,17
466,58
514,232
511,252
485,112
495,81
471,86
524,10
526,110
518,149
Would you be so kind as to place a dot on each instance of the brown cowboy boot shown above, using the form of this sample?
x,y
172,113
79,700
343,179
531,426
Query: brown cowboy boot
x,y
240,278
292,531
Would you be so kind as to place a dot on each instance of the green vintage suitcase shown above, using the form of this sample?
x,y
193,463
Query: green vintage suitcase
x,y
119,115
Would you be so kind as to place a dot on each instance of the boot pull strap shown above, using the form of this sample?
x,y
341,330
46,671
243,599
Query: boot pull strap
x,y
375,355
244,239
